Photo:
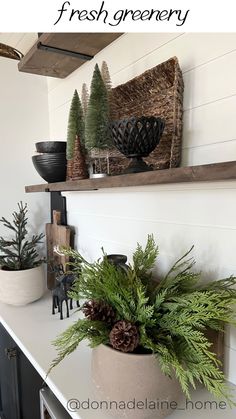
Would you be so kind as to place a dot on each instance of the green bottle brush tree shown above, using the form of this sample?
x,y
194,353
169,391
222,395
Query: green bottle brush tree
x,y
75,126
97,133
130,312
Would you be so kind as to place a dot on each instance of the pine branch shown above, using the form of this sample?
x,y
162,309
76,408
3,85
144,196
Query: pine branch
x,y
182,262
8,224
144,259
95,331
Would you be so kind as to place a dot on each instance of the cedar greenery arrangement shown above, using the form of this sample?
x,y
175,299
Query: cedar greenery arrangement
x,y
130,312
19,252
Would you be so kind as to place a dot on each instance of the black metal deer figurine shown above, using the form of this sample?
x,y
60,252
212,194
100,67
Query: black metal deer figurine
x,y
64,284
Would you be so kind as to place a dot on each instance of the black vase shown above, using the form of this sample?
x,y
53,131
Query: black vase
x,y
137,138
119,261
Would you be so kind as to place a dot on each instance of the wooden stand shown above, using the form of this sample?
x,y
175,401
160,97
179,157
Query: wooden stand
x,y
56,235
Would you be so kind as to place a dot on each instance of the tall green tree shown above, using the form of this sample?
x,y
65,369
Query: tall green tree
x,y
84,98
97,134
106,76
76,125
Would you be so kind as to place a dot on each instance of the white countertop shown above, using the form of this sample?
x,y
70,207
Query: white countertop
x,y
33,328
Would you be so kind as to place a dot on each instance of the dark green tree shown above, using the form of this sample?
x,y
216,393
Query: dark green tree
x,y
19,252
75,125
97,132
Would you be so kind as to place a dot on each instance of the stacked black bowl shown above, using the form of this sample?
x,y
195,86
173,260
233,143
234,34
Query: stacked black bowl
x,y
51,162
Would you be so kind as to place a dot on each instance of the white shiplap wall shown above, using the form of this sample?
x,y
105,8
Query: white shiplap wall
x,y
178,215
23,121
21,41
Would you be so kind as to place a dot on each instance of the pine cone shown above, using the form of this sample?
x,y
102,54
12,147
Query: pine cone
x,y
124,336
98,310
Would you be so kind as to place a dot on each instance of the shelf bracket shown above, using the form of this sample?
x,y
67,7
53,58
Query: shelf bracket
x,y
62,51
58,202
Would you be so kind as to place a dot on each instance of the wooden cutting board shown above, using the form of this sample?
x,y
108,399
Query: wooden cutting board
x,y
56,235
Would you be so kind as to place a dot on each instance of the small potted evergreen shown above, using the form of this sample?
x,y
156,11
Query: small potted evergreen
x,y
22,278
149,338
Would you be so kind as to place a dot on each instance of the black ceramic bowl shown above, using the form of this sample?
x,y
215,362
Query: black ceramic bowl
x,y
51,147
51,166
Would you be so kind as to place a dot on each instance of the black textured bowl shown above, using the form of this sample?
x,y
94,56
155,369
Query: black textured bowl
x,y
137,137
51,147
51,166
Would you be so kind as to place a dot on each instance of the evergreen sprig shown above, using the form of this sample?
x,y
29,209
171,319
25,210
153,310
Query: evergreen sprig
x,y
95,331
172,317
144,259
19,253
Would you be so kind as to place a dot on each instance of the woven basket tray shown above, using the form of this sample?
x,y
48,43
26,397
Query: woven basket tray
x,y
157,92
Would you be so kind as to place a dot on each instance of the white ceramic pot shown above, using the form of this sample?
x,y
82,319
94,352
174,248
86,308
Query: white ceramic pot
x,y
134,384
22,287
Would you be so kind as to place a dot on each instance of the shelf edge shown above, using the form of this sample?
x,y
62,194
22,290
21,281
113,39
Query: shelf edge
x,y
202,173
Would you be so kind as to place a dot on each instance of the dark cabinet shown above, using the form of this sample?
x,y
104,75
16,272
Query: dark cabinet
x,y
19,382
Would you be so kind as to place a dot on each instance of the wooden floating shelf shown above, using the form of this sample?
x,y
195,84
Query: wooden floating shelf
x,y
47,58
208,172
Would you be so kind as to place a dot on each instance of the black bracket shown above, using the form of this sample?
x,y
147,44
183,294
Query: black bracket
x,y
58,203
62,51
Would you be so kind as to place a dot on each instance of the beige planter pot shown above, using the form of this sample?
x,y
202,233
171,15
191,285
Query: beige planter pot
x,y
134,383
22,287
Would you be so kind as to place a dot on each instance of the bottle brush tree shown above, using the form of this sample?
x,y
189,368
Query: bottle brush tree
x,y
75,125
106,76
19,252
85,98
107,81
79,168
97,118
